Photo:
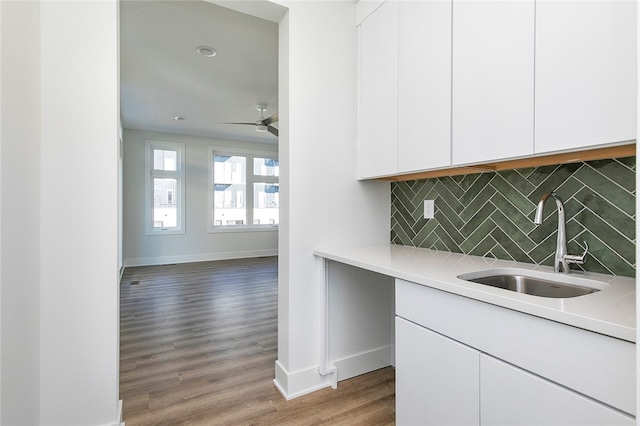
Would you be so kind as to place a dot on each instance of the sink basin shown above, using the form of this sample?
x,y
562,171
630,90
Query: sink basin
x,y
535,283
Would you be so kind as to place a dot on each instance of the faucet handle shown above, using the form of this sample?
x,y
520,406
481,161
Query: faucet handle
x,y
576,258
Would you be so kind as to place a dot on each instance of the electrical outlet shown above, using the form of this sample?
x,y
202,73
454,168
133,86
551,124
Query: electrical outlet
x,y
429,209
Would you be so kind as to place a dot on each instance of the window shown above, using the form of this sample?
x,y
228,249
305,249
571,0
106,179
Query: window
x,y
244,190
164,188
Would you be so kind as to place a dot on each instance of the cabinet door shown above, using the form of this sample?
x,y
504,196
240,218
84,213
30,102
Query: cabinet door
x,y
511,396
493,64
378,92
424,85
436,378
585,73
364,8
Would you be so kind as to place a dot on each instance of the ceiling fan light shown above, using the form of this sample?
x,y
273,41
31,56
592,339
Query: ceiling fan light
x,y
261,128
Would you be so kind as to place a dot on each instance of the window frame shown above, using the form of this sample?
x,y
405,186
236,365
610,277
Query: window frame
x,y
178,195
250,179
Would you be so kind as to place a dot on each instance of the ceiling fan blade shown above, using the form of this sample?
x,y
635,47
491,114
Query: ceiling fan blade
x,y
246,124
272,130
270,120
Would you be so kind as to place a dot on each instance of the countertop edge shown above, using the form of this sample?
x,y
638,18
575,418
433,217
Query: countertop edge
x,y
390,260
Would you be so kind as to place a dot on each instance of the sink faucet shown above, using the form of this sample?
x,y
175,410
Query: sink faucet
x,y
562,260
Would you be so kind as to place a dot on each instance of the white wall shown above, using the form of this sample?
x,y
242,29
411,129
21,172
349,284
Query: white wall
x,y
323,203
197,244
361,320
58,252
78,215
77,239
19,212
120,197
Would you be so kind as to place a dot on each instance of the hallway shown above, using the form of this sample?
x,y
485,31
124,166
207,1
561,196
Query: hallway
x,y
198,343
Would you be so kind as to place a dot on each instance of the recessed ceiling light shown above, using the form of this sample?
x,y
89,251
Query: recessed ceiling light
x,y
207,51
179,118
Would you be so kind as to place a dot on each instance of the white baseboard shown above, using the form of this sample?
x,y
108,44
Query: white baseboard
x,y
293,385
364,362
119,414
203,257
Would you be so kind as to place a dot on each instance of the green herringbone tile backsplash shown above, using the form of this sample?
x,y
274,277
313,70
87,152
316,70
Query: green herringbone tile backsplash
x,y
491,214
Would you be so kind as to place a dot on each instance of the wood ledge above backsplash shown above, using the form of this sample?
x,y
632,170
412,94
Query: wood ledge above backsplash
x,y
617,151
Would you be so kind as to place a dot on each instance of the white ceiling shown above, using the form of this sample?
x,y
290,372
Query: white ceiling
x,y
162,75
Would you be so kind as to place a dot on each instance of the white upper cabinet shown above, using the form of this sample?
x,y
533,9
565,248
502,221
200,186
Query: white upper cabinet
x,y
365,8
378,92
460,82
493,66
424,85
585,73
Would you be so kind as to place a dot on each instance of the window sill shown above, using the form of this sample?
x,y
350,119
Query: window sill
x,y
236,229
165,232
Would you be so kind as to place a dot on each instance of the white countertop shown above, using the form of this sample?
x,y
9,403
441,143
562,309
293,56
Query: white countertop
x,y
611,311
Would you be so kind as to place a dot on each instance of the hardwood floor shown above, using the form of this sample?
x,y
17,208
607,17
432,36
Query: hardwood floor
x,y
198,343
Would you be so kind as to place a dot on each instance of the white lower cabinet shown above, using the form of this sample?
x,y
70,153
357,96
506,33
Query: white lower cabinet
x,y
464,362
443,382
436,378
511,396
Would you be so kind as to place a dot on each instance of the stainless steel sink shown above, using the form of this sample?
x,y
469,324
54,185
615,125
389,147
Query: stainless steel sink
x,y
535,283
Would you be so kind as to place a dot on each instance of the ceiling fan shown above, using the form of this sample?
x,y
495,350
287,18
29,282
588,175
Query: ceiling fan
x,y
263,124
